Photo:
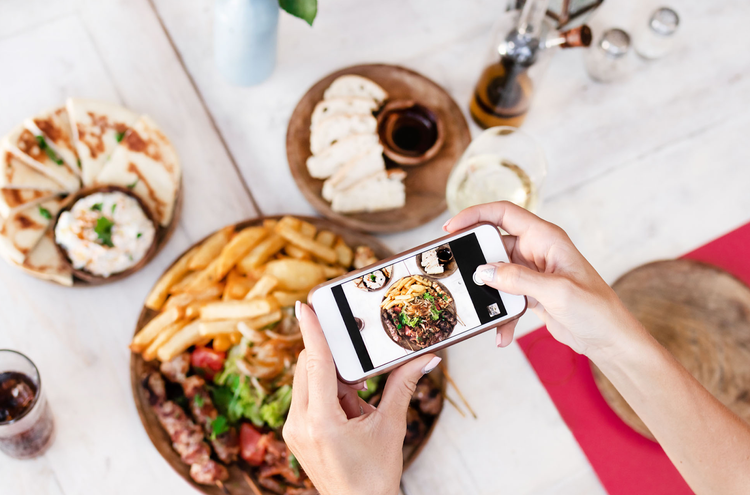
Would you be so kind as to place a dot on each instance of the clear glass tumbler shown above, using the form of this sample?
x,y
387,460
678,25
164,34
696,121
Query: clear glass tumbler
x,y
502,163
26,423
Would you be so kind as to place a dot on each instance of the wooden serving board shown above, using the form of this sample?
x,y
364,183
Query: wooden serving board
x,y
236,484
425,184
701,314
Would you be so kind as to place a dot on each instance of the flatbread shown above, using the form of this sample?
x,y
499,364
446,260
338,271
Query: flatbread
x,y
147,163
14,200
35,153
54,125
97,127
22,231
46,262
15,174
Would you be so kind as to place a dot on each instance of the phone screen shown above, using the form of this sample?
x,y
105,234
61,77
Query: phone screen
x,y
417,302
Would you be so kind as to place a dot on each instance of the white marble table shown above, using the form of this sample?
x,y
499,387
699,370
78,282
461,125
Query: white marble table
x,y
646,168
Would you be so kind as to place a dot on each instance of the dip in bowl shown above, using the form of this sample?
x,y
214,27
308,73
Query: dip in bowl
x,y
104,232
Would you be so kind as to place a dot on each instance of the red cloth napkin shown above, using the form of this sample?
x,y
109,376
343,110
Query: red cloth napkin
x,y
626,462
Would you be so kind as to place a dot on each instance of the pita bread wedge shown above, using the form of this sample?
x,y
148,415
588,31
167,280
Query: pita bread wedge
x,y
20,232
147,163
14,200
382,191
34,152
45,262
97,128
15,174
54,126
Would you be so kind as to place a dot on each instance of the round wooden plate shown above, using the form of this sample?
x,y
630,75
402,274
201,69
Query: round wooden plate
x,y
425,184
236,484
701,314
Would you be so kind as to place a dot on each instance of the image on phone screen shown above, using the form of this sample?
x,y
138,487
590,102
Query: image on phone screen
x,y
417,302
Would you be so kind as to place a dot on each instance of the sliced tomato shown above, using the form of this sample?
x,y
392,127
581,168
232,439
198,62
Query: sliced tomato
x,y
208,360
251,447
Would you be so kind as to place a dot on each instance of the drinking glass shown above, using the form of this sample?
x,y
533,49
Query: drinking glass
x,y
29,431
502,163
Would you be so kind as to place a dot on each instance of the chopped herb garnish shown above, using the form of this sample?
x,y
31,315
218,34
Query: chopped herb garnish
x,y
434,313
372,277
444,296
294,464
97,207
103,229
139,235
79,163
44,212
119,136
198,400
113,207
131,186
428,297
219,426
49,151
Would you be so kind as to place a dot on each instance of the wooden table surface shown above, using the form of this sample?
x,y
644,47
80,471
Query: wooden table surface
x,y
639,170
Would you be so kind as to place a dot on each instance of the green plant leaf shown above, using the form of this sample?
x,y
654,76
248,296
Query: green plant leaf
x,y
103,229
304,9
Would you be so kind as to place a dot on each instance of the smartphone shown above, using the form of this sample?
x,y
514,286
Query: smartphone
x,y
414,303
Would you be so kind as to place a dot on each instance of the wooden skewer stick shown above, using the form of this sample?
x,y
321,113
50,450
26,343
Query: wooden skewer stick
x,y
458,391
453,403
251,483
223,488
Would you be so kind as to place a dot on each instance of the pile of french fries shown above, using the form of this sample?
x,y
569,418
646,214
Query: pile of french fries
x,y
404,291
239,281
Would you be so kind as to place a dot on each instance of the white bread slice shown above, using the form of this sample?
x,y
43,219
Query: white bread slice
x,y
349,105
13,200
34,152
146,162
54,125
20,232
15,174
97,127
382,191
329,131
45,262
355,170
332,158
352,85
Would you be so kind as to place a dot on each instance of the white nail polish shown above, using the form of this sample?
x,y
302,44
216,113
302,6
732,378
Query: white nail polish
x,y
431,365
483,274
297,309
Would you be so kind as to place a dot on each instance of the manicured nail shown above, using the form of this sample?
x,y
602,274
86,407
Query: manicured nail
x,y
499,339
297,309
363,386
486,272
431,365
361,411
445,225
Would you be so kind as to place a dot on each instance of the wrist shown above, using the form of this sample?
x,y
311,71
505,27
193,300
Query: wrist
x,y
626,338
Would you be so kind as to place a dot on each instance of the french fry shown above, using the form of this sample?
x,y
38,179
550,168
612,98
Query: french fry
x,y
185,299
307,229
300,240
159,293
149,332
344,254
205,278
222,343
261,321
179,343
216,328
296,252
326,238
332,271
184,282
264,286
261,253
237,285
211,248
270,223
290,222
287,299
237,310
295,275
150,353
238,248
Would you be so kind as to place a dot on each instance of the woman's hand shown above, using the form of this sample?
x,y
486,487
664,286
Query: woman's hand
x,y
344,444
563,289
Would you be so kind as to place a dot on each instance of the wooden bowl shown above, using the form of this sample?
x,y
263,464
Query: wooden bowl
x,y
388,127
701,314
425,185
236,484
448,269
162,235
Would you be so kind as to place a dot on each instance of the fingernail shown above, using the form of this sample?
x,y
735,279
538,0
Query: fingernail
x,y
363,386
431,365
499,339
297,309
484,273
445,225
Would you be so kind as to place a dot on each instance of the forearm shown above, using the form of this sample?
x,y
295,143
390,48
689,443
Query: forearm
x,y
708,444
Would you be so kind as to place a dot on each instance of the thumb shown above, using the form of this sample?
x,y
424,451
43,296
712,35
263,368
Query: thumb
x,y
513,279
401,384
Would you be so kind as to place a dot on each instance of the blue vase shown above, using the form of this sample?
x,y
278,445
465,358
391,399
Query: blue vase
x,y
245,39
